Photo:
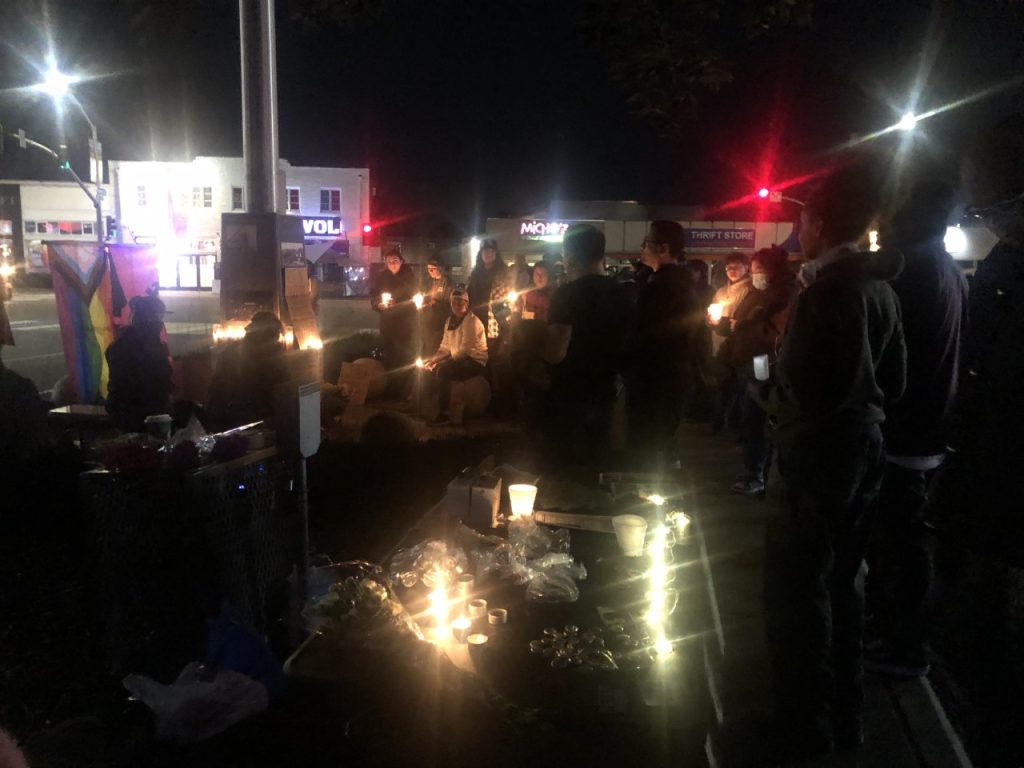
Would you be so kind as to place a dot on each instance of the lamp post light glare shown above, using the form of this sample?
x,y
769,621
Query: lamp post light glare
x,y
56,85
907,123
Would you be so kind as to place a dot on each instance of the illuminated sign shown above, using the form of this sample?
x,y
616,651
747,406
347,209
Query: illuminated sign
x,y
720,238
542,229
322,226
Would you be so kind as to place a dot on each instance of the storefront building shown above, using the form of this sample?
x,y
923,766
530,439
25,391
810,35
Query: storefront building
x,y
34,212
178,205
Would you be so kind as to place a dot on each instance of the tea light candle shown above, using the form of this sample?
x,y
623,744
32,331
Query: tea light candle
x,y
460,628
715,312
477,608
476,641
497,616
522,496
464,584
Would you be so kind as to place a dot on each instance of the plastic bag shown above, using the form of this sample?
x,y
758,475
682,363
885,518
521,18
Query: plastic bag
x,y
537,557
198,705
432,562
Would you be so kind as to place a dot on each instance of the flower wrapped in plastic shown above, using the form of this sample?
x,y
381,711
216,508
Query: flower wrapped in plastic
x,y
360,608
433,562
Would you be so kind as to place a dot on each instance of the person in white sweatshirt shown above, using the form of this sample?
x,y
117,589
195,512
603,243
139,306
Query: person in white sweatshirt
x,y
463,351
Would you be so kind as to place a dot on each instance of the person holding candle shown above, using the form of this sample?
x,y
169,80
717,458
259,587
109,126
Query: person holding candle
x,y
489,285
720,314
534,303
755,329
462,353
392,297
436,290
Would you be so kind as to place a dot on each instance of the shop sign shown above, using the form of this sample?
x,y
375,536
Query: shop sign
x,y
322,226
720,238
534,228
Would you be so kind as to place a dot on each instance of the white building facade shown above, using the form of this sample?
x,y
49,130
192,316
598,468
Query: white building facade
x,y
178,206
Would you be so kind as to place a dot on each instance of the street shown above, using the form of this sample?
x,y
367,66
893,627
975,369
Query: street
x,y
190,318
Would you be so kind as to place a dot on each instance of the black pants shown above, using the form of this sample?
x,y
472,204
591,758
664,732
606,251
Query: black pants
x,y
757,451
901,563
654,409
814,609
463,369
575,431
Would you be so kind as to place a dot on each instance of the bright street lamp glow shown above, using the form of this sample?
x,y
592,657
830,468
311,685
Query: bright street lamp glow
x,y
56,85
955,241
907,123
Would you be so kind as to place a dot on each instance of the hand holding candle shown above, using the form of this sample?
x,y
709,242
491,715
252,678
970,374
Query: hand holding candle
x,y
385,300
418,300
715,313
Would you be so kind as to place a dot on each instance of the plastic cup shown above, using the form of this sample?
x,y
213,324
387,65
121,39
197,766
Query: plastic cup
x,y
630,531
522,496
159,426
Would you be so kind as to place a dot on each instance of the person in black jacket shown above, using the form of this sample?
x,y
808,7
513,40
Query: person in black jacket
x,y
842,361
933,296
661,348
392,297
140,368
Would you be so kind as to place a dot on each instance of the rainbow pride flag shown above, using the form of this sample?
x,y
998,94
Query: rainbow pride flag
x,y
92,290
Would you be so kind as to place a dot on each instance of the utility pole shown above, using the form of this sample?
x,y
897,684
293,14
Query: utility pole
x,y
259,104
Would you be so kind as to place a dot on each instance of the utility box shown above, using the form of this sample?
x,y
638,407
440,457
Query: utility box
x,y
258,252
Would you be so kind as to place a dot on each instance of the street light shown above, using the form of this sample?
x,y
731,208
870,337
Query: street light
x,y
907,123
57,85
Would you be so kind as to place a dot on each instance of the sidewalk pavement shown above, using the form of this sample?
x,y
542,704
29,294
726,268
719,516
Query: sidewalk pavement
x,y
905,724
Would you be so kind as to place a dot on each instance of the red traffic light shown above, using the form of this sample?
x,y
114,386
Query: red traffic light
x,y
367,229
763,193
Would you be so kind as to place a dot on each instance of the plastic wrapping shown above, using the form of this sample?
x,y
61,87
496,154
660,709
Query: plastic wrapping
x,y
538,558
433,562
360,607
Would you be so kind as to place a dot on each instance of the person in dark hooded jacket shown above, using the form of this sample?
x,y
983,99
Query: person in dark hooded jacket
x,y
933,297
392,296
140,368
842,360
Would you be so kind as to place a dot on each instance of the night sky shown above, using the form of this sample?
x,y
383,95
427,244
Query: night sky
x,y
492,108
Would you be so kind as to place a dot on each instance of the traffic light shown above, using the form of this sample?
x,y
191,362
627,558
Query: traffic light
x,y
371,235
111,228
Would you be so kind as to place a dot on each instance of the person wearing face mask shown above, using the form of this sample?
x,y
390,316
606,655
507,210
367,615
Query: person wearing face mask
x,y
756,328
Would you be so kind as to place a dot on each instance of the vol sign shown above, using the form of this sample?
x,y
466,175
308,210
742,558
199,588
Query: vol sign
x,y
322,226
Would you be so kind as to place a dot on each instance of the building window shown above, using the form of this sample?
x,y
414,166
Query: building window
x,y
140,192
236,198
293,199
202,197
330,200
30,227
87,228
76,227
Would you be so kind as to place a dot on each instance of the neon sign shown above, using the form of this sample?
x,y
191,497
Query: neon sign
x,y
322,226
535,228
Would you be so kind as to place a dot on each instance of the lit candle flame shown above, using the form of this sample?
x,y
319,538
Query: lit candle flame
x,y
656,500
658,575
439,607
513,297
314,343
385,298
420,362
418,300
715,312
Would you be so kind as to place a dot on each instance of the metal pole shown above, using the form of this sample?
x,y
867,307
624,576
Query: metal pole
x,y
259,104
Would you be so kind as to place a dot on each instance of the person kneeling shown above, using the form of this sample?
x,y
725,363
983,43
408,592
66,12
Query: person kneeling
x,y
462,354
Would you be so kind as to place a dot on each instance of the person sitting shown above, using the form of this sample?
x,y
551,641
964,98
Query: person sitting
x,y
247,372
462,354
140,368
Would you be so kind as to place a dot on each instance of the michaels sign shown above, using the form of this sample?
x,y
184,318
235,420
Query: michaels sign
x,y
535,228
322,226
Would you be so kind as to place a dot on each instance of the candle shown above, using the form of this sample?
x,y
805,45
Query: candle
x,y
418,300
465,585
460,628
512,297
497,616
477,641
715,312
522,496
420,362
439,606
385,298
477,608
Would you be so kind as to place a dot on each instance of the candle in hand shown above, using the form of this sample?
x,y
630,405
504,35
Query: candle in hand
x,y
715,312
385,299
418,300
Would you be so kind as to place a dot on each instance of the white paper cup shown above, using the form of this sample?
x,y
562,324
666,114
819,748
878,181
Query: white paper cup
x,y
630,531
522,496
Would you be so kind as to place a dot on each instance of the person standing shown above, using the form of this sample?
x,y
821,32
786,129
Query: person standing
x,y
587,324
140,368
462,353
754,330
933,296
727,406
534,303
661,348
392,298
843,360
490,282
436,291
